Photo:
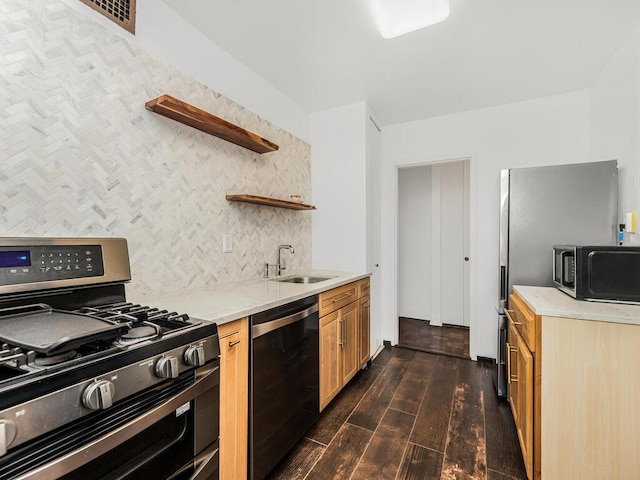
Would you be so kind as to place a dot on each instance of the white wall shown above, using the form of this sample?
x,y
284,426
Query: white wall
x,y
615,122
414,242
339,188
166,36
547,131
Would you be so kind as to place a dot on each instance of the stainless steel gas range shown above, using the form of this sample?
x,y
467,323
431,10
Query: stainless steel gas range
x,y
94,387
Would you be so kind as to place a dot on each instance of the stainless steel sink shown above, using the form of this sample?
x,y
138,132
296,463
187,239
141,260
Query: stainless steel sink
x,y
301,279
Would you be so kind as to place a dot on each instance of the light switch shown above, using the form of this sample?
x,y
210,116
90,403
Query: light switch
x,y
227,243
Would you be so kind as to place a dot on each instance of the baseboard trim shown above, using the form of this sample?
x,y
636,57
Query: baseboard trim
x,y
377,352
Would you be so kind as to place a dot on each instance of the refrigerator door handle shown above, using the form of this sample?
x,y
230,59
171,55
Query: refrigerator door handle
x,y
503,282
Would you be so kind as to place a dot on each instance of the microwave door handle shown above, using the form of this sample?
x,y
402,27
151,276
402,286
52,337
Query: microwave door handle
x,y
559,269
563,278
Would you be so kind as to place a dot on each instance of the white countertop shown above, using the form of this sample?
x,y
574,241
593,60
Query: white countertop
x,y
552,302
230,301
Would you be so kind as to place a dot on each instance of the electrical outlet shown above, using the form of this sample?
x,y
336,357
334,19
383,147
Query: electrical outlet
x,y
630,222
227,243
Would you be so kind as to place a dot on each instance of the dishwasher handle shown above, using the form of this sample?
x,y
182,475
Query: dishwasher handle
x,y
264,328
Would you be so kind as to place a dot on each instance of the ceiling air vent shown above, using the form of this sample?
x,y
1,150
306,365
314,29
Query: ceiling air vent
x,y
123,12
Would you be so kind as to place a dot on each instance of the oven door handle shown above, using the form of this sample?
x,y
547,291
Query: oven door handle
x,y
207,379
204,465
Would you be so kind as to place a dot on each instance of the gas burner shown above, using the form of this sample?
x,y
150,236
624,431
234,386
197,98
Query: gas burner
x,y
44,361
139,334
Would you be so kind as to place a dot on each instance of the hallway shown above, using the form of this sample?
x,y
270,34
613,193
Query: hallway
x,y
452,340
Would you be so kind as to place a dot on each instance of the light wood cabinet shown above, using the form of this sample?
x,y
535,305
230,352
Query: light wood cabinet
x,y
520,379
334,299
364,326
234,397
349,341
330,358
572,368
344,332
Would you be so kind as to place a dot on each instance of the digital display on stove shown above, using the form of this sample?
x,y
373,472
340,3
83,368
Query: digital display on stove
x,y
15,259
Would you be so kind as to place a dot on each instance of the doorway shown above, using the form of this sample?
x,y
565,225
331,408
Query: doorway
x,y
433,257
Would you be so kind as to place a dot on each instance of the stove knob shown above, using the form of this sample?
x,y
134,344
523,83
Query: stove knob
x,y
99,395
167,367
194,356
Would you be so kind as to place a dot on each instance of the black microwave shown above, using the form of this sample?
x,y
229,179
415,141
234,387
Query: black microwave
x,y
599,273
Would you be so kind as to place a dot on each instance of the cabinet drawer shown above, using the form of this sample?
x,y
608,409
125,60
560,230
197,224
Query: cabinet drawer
x,y
524,320
230,340
229,328
364,287
338,297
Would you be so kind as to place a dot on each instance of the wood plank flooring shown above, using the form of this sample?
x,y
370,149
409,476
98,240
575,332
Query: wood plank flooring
x,y
411,416
420,335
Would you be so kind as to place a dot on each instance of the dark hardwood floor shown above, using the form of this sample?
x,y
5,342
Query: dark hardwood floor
x,y
445,340
411,415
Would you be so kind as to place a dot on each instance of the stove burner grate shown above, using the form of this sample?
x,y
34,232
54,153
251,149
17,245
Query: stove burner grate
x,y
146,323
16,355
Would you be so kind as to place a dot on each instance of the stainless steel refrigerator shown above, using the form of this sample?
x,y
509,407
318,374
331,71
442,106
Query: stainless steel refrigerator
x,y
544,206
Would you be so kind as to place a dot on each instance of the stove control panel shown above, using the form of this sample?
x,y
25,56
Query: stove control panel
x,y
32,264
29,420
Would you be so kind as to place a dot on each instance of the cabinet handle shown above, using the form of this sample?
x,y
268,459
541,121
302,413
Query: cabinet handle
x,y
341,297
509,314
234,343
344,335
508,363
511,349
341,342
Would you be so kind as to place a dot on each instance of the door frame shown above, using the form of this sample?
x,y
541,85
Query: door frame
x,y
471,294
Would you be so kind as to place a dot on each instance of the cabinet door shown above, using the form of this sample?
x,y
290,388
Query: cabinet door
x,y
234,408
350,343
524,378
330,358
512,366
520,372
363,334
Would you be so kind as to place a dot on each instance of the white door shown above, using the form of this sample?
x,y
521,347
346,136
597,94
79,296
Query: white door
x,y
454,242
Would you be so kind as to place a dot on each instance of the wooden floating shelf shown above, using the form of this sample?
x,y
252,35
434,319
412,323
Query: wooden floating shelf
x,y
271,202
204,121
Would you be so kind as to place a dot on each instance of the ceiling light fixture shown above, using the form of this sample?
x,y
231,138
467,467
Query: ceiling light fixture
x,y
397,17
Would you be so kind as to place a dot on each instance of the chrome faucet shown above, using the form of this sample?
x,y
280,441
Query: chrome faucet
x,y
280,266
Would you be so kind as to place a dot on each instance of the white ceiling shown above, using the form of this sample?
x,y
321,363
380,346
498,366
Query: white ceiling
x,y
328,53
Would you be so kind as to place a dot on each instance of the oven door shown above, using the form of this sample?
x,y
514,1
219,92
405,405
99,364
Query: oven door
x,y
152,435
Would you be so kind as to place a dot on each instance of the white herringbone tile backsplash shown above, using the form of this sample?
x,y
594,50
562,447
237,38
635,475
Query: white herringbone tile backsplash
x,y
80,156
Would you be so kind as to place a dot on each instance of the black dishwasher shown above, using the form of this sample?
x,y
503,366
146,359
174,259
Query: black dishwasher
x,y
284,397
